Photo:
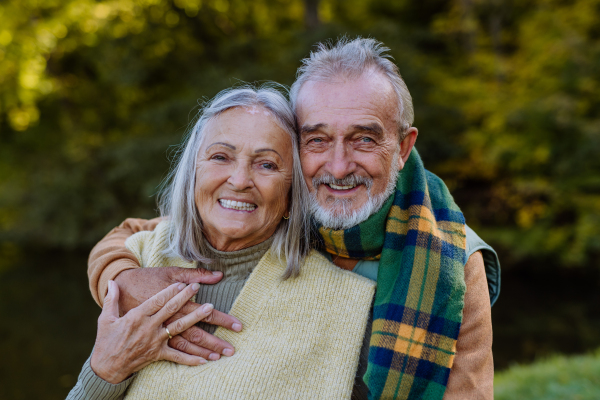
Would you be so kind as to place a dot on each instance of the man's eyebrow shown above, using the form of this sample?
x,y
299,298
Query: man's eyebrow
x,y
374,128
222,144
274,151
305,129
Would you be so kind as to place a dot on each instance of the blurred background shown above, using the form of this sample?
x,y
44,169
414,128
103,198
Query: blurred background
x,y
94,94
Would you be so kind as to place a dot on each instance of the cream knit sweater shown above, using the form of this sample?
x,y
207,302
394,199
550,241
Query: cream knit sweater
x,y
301,337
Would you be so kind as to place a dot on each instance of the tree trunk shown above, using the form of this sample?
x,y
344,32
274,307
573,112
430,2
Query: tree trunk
x,y
311,14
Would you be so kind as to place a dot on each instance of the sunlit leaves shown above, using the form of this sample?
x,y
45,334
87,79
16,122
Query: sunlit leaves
x,y
92,93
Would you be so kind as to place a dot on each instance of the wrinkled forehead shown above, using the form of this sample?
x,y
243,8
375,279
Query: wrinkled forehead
x,y
246,129
256,110
367,98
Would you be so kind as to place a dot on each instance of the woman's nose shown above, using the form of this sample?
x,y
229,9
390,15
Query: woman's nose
x,y
241,177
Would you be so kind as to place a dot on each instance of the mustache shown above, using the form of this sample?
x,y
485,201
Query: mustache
x,y
349,180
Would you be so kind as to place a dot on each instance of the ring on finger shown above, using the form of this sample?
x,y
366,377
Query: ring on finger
x,y
168,333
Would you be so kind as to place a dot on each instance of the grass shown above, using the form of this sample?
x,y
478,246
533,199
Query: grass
x,y
555,378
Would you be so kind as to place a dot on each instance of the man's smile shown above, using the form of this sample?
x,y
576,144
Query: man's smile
x,y
341,190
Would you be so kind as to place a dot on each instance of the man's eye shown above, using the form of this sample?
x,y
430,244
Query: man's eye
x,y
316,140
366,140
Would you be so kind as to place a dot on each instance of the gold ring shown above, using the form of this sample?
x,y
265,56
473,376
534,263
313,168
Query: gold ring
x,y
168,333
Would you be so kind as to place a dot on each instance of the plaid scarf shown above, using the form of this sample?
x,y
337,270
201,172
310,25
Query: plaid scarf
x,y
419,237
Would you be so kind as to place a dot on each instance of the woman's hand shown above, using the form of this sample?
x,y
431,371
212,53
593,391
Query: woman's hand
x,y
126,345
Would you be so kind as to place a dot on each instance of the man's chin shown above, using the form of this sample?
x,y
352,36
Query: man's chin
x,y
339,219
345,214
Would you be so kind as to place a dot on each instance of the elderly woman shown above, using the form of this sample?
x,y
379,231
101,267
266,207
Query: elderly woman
x,y
236,203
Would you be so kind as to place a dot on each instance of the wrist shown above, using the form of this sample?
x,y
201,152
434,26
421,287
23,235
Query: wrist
x,y
107,372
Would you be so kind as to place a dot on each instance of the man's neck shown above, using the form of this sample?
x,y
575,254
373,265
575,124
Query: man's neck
x,y
345,263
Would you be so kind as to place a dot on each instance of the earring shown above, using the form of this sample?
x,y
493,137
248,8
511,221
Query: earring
x,y
284,217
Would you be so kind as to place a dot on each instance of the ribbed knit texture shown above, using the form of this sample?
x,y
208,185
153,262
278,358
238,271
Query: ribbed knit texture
x,y
90,387
236,267
301,337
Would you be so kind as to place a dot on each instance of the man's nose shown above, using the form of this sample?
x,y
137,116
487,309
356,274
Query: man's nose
x,y
241,177
342,162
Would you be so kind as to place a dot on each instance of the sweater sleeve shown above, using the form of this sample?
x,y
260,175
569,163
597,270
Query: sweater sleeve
x,y
90,386
472,374
110,256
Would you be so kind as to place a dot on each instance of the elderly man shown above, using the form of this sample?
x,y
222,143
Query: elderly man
x,y
380,214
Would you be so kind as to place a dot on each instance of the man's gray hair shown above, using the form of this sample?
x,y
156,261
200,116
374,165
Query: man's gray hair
x,y
350,59
176,201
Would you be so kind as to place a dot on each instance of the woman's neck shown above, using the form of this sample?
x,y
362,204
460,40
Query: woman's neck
x,y
230,261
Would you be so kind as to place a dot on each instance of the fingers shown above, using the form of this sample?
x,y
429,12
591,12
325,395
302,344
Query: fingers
x,y
174,304
159,300
195,275
182,324
187,308
215,318
204,339
225,320
181,358
111,301
181,344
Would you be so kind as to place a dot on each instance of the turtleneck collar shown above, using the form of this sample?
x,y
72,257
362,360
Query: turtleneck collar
x,y
233,262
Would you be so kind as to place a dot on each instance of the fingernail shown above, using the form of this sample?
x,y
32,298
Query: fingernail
x,y
236,327
202,361
228,352
214,356
216,272
207,307
195,286
181,286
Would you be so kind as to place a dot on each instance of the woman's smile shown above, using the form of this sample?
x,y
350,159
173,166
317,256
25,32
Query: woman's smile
x,y
237,205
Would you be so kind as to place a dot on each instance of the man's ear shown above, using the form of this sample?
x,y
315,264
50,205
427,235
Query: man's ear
x,y
407,144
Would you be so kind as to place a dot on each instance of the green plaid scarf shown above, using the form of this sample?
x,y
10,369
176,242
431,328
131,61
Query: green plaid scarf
x,y
419,237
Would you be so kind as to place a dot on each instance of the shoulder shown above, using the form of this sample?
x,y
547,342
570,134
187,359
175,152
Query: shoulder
x,y
317,265
491,262
143,239
151,248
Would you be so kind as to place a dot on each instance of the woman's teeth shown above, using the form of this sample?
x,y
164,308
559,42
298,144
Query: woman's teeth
x,y
237,205
336,187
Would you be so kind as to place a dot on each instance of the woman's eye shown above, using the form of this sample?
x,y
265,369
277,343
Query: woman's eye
x,y
267,166
218,157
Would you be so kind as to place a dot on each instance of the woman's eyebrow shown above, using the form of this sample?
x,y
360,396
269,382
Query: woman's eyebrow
x,y
223,144
274,151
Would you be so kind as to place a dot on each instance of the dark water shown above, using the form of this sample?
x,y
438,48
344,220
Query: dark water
x,y
48,319
543,311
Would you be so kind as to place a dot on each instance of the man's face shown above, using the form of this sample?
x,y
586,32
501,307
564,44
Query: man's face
x,y
349,146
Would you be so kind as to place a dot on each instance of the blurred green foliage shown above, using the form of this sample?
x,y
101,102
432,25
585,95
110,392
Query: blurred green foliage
x,y
92,94
557,378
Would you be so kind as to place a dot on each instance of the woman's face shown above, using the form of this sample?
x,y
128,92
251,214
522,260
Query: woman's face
x,y
243,178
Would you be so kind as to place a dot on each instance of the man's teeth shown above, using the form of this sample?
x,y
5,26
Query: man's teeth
x,y
237,205
336,187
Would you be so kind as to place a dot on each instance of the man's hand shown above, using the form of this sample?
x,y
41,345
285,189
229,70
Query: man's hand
x,y
139,284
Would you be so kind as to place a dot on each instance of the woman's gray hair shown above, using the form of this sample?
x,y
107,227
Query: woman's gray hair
x,y
350,59
176,201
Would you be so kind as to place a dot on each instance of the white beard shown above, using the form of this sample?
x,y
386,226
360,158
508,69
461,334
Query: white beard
x,y
339,215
